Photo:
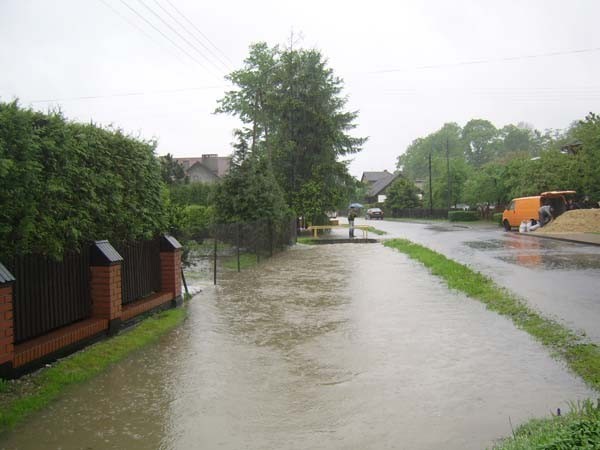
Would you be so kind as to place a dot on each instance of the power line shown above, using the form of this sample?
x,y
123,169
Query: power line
x,y
199,31
163,35
183,38
493,60
128,94
141,30
501,90
216,56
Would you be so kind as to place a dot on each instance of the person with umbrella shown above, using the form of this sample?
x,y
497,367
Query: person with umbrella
x,y
352,213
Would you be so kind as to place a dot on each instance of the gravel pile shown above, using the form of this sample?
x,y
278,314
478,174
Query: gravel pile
x,y
576,221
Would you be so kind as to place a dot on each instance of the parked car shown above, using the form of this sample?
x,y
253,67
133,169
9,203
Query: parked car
x,y
527,208
374,213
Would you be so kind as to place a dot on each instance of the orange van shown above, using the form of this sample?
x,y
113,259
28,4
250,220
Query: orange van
x,y
527,208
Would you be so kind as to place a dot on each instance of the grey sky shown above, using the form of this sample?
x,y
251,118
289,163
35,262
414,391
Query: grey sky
x,y
66,49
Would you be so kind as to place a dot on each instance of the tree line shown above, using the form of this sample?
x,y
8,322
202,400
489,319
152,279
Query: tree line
x,y
481,164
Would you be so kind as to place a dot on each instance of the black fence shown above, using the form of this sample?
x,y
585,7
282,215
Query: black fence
x,y
49,294
140,272
237,245
420,213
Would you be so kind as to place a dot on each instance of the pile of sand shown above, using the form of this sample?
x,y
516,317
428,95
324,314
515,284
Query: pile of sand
x,y
575,221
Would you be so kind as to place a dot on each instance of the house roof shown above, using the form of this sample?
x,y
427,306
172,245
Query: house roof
x,y
223,165
198,167
373,177
382,184
5,275
218,165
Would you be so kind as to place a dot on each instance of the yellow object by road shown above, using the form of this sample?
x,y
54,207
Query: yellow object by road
x,y
315,229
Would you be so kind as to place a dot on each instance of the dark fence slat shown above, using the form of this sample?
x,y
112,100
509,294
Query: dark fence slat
x,y
49,294
140,272
420,213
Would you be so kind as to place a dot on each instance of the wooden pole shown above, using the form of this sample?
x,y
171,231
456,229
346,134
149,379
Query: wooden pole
x,y
238,246
430,189
215,261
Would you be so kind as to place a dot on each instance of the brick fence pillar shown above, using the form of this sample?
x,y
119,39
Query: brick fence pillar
x,y
7,335
170,267
106,287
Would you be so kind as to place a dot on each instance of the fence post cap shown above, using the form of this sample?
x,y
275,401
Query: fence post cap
x,y
104,254
169,244
5,276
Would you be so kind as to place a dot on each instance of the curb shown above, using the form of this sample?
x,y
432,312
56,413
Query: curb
x,y
564,239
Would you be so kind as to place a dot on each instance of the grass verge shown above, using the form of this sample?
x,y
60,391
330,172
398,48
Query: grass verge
x,y
578,429
306,240
582,357
20,398
247,260
376,231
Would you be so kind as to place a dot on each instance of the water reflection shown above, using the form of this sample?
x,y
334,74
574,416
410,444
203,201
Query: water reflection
x,y
539,253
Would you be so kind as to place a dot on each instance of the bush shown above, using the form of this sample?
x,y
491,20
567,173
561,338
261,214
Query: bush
x,y
193,193
64,184
497,217
463,216
197,220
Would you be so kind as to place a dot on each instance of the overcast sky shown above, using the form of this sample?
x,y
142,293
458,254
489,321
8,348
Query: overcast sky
x,y
408,66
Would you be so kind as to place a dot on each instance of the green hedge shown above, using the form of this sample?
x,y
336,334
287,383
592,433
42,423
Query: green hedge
x,y
63,184
193,193
497,217
463,216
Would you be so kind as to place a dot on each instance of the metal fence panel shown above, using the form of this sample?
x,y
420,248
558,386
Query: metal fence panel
x,y
140,272
49,294
225,244
420,213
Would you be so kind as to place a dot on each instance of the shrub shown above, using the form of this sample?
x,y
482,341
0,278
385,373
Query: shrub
x,y
463,216
193,193
497,217
197,220
64,184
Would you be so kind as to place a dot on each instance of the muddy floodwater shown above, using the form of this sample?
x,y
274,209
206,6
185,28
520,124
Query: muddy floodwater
x,y
321,347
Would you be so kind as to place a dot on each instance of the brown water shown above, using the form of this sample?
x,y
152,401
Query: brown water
x,y
333,347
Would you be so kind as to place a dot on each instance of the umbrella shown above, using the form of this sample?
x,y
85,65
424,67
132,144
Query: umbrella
x,y
355,205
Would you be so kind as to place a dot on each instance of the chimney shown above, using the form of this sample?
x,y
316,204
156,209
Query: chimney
x,y
210,161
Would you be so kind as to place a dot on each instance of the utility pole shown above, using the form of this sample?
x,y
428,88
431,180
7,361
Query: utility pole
x,y
448,169
430,189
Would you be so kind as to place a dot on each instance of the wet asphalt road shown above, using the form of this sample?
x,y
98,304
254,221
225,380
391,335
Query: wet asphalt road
x,y
559,279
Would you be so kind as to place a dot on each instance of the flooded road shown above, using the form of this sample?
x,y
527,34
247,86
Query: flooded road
x,y
323,347
560,279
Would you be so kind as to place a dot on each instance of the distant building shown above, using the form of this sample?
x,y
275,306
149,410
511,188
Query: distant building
x,y
572,148
378,183
370,178
420,184
209,168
